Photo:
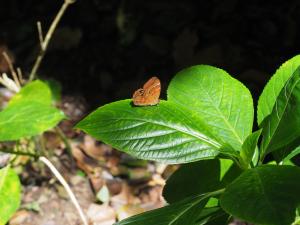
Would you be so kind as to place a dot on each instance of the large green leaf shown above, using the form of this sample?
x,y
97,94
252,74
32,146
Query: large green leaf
x,y
10,194
193,179
292,154
269,95
281,153
248,148
221,101
37,91
55,88
165,132
213,216
27,118
265,195
184,212
282,126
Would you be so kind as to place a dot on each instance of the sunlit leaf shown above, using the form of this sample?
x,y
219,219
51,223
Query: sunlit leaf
x,y
165,132
27,118
37,91
10,194
249,146
271,91
223,102
282,126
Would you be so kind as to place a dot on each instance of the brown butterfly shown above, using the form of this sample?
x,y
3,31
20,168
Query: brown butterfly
x,y
149,94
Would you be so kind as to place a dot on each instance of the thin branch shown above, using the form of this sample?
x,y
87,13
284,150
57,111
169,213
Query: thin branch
x,y
19,153
66,186
11,68
40,31
48,37
20,75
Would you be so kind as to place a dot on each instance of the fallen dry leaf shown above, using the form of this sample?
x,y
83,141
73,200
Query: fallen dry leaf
x,y
20,217
129,210
101,214
124,197
94,149
84,162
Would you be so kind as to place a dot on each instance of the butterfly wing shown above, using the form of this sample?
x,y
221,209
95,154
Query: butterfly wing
x,y
149,94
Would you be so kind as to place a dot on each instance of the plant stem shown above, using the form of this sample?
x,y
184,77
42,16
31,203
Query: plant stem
x,y
47,39
217,192
11,68
66,186
20,153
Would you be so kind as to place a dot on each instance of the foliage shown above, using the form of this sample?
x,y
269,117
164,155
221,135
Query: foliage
x,y
10,196
209,115
29,112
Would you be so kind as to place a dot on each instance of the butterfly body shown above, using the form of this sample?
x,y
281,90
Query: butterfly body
x,y
149,94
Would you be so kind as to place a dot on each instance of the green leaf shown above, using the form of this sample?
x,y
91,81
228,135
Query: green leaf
x,y
55,88
280,154
292,154
248,147
27,118
225,165
206,214
10,194
212,216
271,91
231,174
192,179
165,132
266,195
37,91
221,101
282,126
184,212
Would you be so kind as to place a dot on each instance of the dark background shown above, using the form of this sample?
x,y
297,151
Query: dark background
x,y
104,50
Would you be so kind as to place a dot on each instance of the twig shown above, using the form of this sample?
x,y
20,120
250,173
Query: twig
x,y
11,68
19,153
40,31
66,186
46,40
20,75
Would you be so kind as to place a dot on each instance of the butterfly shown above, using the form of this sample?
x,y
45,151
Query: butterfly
x,y
149,94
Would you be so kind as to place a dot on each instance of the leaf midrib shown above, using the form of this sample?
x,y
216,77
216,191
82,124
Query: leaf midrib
x,y
279,119
231,128
221,114
184,211
212,143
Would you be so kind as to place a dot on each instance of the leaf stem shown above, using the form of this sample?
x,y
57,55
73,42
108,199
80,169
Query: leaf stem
x,y
20,153
217,192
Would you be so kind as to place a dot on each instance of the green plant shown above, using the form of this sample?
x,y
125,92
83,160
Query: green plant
x,y
207,125
29,113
